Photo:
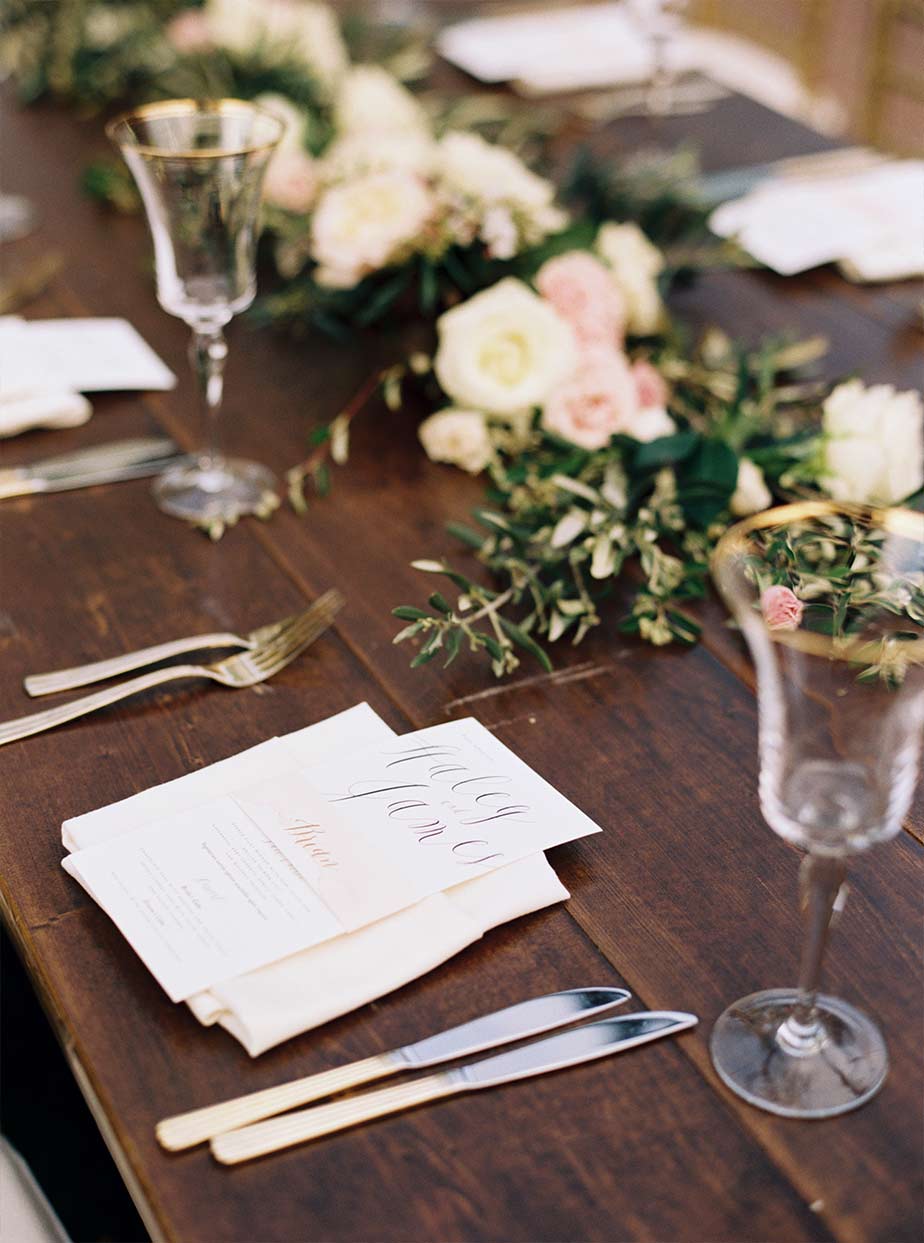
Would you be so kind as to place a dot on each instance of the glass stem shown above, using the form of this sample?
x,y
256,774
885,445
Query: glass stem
x,y
659,101
207,352
822,882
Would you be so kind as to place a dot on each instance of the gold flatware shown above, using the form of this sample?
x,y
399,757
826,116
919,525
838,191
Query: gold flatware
x,y
516,1022
100,670
237,671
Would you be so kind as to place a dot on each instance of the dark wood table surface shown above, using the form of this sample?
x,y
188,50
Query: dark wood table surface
x,y
687,898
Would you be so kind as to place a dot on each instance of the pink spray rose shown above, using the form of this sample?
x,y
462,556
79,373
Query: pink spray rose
x,y
782,608
650,385
189,32
583,292
598,400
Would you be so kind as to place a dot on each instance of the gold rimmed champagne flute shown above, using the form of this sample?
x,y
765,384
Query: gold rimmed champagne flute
x,y
199,167
830,599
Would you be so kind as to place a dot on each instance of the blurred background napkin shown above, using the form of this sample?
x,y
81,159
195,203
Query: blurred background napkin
x,y
868,219
589,47
272,1004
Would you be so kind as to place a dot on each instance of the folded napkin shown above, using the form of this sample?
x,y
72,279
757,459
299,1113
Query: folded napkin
x,y
869,219
22,409
264,1007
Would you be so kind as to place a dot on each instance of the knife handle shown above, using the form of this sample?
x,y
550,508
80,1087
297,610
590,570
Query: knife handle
x,y
184,1130
265,1137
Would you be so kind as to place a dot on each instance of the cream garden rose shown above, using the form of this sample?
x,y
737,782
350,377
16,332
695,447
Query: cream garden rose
x,y
290,29
376,152
459,437
371,100
469,168
874,443
635,263
368,223
504,350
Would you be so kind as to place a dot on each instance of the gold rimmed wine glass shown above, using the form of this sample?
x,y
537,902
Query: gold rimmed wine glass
x,y
199,167
830,599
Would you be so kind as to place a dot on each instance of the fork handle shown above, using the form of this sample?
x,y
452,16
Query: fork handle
x,y
22,727
98,671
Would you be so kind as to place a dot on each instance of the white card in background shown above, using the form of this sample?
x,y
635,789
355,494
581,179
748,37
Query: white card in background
x,y
249,878
80,355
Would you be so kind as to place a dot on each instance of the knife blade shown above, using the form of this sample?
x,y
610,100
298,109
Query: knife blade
x,y
121,459
571,1048
516,1022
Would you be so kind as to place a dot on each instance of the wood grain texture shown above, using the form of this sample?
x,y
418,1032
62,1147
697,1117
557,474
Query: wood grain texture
x,y
687,897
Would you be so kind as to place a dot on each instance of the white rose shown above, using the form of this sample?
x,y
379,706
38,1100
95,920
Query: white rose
x,y
354,154
504,350
288,29
471,167
459,437
366,224
635,263
651,423
369,99
499,233
292,117
874,443
751,493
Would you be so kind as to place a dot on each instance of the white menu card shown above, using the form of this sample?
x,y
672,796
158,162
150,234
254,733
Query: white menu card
x,y
249,878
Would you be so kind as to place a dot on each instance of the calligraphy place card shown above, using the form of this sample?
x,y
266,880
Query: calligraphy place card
x,y
247,879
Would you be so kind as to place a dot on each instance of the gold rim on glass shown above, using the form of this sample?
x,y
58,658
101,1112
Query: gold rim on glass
x,y
184,107
906,523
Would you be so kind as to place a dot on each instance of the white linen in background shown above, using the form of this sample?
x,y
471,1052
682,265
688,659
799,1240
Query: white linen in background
x,y
271,1004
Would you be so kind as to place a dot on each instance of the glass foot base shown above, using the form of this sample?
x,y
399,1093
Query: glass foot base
x,y
223,492
763,1055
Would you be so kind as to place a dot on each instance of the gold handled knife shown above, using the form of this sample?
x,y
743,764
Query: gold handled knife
x,y
517,1022
107,463
582,1044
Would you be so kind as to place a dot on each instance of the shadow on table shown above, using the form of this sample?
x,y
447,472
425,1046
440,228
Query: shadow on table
x,y
44,1116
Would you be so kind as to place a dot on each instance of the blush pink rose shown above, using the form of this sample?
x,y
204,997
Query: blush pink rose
x,y
189,32
782,608
650,385
584,293
595,403
291,181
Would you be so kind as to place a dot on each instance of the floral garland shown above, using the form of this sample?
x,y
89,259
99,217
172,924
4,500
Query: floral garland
x,y
607,446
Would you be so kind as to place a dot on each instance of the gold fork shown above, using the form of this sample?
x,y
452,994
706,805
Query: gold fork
x,y
101,670
239,670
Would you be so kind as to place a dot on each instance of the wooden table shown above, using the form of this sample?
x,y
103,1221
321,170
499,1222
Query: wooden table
x,y
687,897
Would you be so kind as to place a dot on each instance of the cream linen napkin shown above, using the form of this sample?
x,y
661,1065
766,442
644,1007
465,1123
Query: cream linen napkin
x,y
22,409
264,1007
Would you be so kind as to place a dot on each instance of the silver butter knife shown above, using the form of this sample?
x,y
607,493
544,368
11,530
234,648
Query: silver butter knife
x,y
518,1022
582,1044
108,463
